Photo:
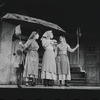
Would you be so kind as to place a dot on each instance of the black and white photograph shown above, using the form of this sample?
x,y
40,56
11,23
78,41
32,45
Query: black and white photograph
x,y
49,49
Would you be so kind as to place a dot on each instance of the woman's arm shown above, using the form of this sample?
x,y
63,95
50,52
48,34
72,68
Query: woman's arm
x,y
53,42
26,44
72,50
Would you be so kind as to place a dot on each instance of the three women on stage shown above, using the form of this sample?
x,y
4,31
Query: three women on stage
x,y
55,63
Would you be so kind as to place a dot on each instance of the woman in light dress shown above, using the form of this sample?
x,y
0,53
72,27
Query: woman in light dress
x,y
48,72
32,58
63,66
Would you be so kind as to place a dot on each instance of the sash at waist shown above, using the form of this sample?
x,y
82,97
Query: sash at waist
x,y
32,50
62,52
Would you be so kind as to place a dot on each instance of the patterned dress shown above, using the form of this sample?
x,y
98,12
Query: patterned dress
x,y
48,63
63,66
32,59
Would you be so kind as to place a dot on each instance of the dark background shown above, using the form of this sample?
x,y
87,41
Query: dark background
x,y
68,14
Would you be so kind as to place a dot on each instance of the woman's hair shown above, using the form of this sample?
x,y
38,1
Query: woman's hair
x,y
64,39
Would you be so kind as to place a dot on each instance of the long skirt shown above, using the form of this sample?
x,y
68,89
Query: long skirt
x,y
31,64
63,67
49,65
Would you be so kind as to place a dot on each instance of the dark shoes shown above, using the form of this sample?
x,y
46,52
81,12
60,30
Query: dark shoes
x,y
48,82
45,82
33,84
60,83
19,86
19,83
66,85
26,84
51,83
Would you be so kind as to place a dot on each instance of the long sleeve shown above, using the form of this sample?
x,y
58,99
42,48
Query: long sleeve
x,y
27,43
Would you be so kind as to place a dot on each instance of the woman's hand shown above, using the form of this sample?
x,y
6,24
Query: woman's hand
x,y
54,41
77,45
20,43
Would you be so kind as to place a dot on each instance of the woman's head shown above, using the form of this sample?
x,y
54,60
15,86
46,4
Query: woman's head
x,y
62,39
37,36
34,34
48,34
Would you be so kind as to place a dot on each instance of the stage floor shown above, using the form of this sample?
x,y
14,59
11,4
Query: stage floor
x,y
39,92
53,87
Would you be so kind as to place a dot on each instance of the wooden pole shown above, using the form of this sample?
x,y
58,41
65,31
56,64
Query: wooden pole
x,y
78,61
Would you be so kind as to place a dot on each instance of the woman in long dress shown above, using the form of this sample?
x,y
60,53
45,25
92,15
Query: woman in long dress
x,y
32,59
48,72
63,66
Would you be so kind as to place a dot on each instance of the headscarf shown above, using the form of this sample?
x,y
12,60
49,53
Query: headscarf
x,y
47,34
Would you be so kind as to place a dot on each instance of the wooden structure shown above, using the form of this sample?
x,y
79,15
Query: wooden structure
x,y
89,57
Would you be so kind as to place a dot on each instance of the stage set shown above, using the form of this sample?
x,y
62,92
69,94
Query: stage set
x,y
84,62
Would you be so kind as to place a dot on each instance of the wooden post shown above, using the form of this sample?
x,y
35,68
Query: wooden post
x,y
78,61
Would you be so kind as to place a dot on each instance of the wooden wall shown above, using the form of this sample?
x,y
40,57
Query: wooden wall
x,y
89,59
92,61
